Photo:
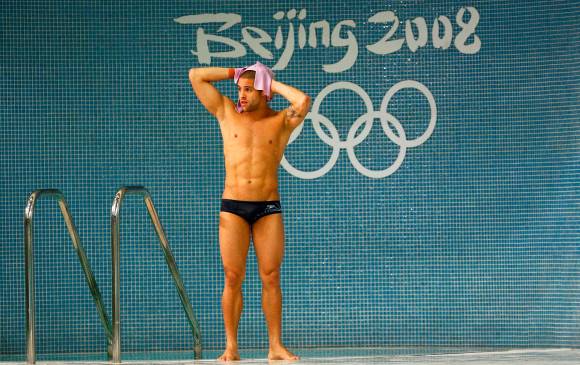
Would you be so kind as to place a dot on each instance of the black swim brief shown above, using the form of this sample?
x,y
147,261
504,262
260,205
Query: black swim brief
x,y
249,210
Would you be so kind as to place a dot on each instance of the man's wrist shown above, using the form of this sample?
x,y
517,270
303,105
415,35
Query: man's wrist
x,y
274,87
231,73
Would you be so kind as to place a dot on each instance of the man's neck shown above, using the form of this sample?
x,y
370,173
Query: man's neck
x,y
259,113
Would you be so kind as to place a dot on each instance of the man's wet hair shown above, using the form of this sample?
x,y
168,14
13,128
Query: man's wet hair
x,y
250,74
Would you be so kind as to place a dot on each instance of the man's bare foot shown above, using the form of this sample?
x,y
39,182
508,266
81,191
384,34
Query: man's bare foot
x,y
229,355
281,353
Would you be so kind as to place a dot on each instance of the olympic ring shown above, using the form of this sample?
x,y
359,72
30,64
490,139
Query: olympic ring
x,y
352,140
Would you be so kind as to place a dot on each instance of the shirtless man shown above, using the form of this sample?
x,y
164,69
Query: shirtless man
x,y
254,140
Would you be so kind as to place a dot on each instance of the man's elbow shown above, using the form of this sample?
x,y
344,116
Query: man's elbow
x,y
305,104
194,75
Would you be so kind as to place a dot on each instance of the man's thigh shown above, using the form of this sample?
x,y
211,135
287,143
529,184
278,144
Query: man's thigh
x,y
234,237
268,237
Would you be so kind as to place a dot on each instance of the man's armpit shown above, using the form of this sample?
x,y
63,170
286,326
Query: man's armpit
x,y
292,113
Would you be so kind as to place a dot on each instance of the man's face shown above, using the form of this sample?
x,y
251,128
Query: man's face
x,y
249,98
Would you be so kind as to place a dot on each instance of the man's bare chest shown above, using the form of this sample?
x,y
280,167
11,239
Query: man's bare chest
x,y
248,134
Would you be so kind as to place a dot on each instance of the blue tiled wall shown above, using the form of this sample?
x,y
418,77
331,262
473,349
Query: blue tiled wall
x,y
471,239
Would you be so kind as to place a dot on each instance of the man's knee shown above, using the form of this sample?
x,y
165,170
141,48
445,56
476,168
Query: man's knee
x,y
270,278
233,278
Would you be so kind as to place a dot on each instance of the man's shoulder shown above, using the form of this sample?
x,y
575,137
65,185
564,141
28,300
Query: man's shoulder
x,y
277,113
230,111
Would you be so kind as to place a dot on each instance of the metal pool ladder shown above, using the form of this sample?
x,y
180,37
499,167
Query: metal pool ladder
x,y
29,270
115,222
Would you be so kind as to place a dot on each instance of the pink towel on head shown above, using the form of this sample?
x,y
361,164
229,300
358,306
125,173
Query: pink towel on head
x,y
262,81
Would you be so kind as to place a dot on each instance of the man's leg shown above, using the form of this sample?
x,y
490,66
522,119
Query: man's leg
x,y
234,236
268,237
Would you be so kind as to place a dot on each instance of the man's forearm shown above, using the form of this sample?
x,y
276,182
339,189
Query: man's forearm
x,y
211,74
293,95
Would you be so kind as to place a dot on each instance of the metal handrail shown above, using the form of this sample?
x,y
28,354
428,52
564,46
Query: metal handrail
x,y
29,270
115,222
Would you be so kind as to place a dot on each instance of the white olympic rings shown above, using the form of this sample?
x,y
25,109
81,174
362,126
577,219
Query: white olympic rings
x,y
352,139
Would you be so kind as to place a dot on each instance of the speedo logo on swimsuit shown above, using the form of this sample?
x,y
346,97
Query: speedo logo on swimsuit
x,y
270,207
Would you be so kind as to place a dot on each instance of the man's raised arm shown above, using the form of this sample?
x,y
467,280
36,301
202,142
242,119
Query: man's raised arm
x,y
210,97
299,103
